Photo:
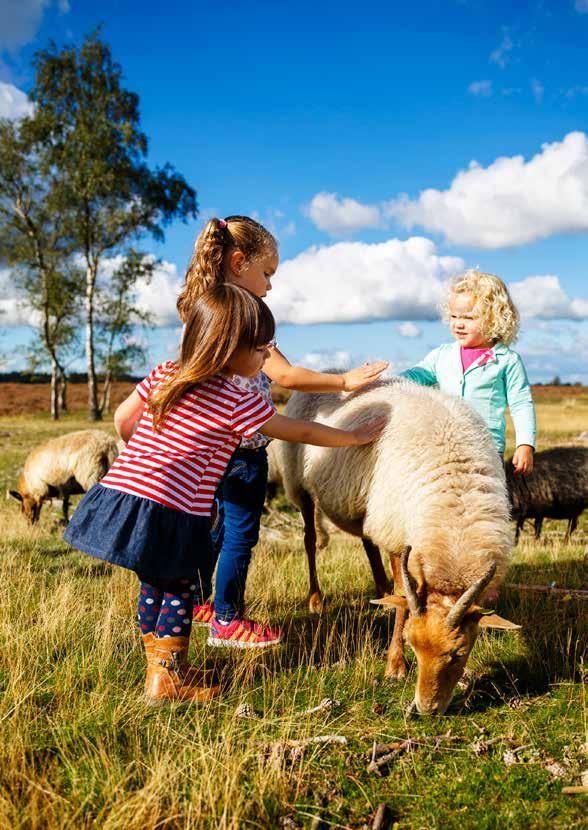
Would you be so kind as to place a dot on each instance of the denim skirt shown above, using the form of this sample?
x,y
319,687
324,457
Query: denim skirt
x,y
140,534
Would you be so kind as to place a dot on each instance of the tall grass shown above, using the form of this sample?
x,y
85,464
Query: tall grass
x,y
80,750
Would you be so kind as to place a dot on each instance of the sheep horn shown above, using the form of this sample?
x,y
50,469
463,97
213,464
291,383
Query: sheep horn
x,y
459,610
411,595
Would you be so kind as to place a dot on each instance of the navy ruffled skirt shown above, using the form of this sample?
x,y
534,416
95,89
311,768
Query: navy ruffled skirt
x,y
140,534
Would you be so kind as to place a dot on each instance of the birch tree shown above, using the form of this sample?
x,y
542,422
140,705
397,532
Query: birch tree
x,y
87,129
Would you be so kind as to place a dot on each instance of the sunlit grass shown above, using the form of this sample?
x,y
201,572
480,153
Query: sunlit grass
x,y
80,750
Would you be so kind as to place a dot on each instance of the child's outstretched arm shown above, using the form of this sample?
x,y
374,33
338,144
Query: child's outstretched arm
x,y
280,370
128,415
522,410
310,432
425,372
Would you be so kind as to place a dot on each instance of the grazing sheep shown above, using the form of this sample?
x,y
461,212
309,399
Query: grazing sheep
x,y
431,493
556,489
63,467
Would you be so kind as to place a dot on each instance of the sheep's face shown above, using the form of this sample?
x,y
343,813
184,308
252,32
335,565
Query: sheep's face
x,y
29,507
442,653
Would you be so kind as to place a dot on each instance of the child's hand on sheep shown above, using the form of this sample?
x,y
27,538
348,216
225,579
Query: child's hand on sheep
x,y
372,429
522,460
364,375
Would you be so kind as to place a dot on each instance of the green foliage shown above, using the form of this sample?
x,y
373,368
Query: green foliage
x,y
75,187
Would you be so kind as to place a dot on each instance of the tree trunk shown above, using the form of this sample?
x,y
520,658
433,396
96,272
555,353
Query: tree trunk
x,y
93,409
105,400
54,391
62,390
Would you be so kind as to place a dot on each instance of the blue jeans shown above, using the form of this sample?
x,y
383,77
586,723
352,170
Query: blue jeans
x,y
240,498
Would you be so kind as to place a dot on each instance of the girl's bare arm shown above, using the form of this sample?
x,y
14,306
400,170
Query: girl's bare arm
x,y
279,369
310,432
128,415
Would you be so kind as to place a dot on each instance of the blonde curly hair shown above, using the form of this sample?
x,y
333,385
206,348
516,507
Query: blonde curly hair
x,y
499,318
217,239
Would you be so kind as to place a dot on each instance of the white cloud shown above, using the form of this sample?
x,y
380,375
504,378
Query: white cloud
x,y
581,6
481,88
537,89
500,55
12,311
510,202
13,102
20,22
356,281
340,216
409,329
578,89
160,295
319,361
543,298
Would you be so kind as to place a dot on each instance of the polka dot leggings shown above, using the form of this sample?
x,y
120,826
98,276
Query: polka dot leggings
x,y
165,607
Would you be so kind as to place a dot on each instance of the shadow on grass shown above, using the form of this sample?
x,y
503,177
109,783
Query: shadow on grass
x,y
548,650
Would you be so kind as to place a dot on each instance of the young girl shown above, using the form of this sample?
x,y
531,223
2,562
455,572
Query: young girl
x,y
151,512
480,367
240,251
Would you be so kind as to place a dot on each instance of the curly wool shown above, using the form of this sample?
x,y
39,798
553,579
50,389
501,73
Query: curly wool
x,y
433,481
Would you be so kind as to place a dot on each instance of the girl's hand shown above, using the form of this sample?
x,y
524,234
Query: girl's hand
x,y
369,431
363,375
522,460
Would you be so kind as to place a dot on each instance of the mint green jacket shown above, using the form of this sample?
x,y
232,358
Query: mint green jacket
x,y
489,386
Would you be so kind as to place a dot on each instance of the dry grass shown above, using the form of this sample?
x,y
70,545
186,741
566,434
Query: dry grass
x,y
79,750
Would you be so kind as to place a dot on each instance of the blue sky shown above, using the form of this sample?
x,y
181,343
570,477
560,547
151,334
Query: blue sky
x,y
318,119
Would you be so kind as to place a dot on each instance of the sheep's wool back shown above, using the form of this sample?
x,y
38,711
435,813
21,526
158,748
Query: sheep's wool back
x,y
84,455
434,480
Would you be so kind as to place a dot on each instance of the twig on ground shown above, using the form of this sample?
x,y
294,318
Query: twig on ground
x,y
380,817
578,593
383,755
293,750
325,705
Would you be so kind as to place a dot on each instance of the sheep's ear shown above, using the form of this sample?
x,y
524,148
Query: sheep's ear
x,y
15,495
494,621
391,600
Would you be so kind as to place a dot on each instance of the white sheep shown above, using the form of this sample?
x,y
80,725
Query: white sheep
x,y
432,484
62,467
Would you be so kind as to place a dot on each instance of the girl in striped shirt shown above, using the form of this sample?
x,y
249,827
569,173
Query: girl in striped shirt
x,y
151,512
240,251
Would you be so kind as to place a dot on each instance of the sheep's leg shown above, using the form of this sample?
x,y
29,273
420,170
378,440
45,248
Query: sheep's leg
x,y
395,662
66,508
381,580
520,523
315,599
572,525
538,526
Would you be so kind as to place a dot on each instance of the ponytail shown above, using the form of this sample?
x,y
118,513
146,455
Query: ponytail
x,y
218,239
206,268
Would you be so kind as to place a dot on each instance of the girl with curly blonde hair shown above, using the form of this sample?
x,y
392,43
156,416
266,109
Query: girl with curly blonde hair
x,y
480,366
240,251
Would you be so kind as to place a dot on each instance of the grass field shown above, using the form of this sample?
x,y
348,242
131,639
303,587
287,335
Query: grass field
x,y
79,750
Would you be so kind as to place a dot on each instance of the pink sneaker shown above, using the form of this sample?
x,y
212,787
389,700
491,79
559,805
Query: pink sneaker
x,y
202,614
243,634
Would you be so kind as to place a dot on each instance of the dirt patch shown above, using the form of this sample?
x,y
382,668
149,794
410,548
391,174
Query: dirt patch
x,y
34,398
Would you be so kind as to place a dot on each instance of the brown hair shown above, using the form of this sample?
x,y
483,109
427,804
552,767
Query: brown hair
x,y
217,239
222,320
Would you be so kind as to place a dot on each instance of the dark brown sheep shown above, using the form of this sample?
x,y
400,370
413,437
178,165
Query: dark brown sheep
x,y
556,489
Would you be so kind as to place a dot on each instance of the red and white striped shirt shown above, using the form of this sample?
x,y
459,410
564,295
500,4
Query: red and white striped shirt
x,y
181,466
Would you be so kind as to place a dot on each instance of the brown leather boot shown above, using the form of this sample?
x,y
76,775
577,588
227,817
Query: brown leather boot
x,y
149,641
170,678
